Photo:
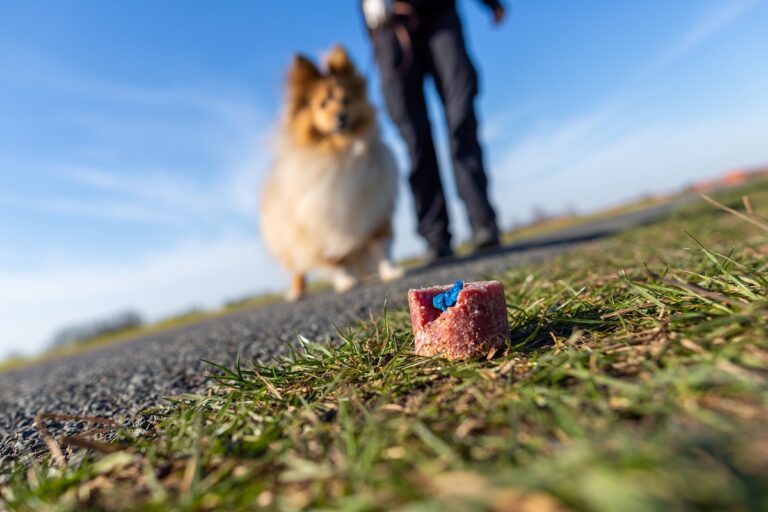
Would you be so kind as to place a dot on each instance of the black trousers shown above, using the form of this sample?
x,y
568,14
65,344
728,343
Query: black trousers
x,y
438,50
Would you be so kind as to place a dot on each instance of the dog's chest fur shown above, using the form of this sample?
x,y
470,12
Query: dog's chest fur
x,y
341,199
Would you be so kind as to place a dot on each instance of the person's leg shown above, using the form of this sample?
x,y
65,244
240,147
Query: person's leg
x,y
456,81
403,92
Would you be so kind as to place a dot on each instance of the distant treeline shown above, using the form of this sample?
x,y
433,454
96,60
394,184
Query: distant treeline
x,y
86,331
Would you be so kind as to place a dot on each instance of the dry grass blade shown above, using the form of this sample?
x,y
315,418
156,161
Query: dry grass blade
x,y
270,387
630,309
80,440
696,289
78,417
748,205
738,214
190,470
50,442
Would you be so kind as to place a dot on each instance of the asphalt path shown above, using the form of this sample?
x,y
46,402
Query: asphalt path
x,y
118,381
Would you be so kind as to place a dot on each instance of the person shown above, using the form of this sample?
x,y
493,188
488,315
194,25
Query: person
x,y
414,39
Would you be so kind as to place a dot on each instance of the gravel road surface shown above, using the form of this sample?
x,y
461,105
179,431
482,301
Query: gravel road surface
x,y
121,379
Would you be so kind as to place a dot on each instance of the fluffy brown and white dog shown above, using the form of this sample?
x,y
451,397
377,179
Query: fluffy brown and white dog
x,y
329,197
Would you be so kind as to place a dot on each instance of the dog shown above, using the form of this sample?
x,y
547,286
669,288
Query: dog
x,y
329,197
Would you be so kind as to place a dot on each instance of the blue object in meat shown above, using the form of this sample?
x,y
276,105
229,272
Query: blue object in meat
x,y
443,301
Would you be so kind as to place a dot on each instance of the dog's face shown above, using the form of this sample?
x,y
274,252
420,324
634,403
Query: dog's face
x,y
332,106
328,109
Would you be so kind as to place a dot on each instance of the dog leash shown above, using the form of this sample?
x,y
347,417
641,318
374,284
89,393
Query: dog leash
x,y
402,30
403,22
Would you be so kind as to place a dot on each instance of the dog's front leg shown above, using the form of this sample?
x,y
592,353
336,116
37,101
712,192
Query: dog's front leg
x,y
380,253
298,288
344,279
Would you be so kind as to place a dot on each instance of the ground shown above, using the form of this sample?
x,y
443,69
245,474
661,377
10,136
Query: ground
x,y
636,378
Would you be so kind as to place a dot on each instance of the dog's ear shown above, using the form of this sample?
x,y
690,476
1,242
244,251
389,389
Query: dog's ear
x,y
302,73
339,63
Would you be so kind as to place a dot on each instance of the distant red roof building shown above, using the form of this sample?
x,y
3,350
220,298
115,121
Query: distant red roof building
x,y
735,177
730,178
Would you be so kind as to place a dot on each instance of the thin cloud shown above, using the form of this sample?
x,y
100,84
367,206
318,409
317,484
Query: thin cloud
x,y
163,199
221,100
495,128
101,209
232,191
704,29
109,210
543,152
169,188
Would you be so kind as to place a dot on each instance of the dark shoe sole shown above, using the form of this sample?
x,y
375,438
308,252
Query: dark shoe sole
x,y
438,256
486,246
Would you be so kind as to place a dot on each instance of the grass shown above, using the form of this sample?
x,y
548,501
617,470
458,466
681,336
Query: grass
x,y
636,379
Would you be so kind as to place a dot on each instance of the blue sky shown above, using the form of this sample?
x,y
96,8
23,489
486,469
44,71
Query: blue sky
x,y
134,135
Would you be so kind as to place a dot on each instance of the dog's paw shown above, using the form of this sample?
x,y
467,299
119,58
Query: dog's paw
x,y
389,272
344,282
293,296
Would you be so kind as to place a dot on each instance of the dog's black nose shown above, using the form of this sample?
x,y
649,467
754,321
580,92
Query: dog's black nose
x,y
342,120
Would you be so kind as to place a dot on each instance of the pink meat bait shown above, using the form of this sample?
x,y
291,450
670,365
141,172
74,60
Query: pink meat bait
x,y
471,328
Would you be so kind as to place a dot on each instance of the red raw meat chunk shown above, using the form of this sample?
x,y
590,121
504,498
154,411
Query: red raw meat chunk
x,y
472,328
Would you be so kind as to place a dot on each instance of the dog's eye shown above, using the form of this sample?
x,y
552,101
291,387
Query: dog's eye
x,y
324,103
345,101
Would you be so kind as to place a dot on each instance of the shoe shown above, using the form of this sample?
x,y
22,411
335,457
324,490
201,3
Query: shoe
x,y
437,253
485,239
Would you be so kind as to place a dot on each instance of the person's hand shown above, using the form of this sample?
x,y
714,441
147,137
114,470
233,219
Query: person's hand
x,y
376,12
499,13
